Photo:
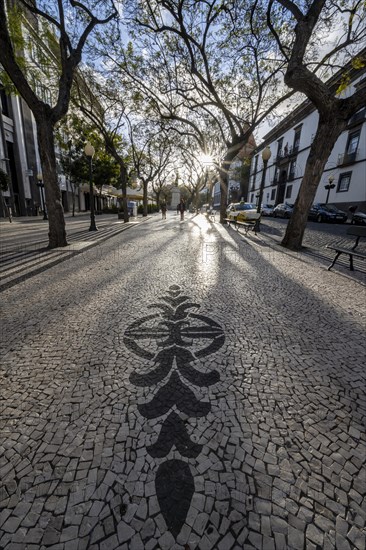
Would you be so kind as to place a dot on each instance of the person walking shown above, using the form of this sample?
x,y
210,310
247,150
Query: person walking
x,y
181,208
163,211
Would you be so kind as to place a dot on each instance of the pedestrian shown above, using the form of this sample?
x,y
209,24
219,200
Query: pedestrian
x,y
181,208
163,211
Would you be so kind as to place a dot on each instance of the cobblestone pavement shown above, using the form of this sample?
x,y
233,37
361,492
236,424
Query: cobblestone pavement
x,y
181,386
24,252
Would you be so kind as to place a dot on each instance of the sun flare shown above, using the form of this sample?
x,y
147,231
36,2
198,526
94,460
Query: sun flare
x,y
205,159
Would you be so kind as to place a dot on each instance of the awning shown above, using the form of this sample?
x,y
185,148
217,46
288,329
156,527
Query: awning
x,y
85,188
131,197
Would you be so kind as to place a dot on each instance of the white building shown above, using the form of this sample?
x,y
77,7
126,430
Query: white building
x,y
290,143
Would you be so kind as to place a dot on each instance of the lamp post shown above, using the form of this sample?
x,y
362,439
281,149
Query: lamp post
x,y
40,184
89,152
266,155
330,185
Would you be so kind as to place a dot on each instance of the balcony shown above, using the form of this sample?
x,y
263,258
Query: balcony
x,y
284,155
347,158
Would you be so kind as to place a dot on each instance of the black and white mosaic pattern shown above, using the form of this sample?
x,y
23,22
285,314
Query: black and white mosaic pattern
x,y
172,339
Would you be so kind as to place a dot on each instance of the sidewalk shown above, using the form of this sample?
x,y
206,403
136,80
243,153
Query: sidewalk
x,y
24,252
183,387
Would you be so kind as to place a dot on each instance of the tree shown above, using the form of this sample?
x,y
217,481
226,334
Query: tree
x,y
198,175
192,74
150,153
161,186
307,25
101,102
71,135
70,28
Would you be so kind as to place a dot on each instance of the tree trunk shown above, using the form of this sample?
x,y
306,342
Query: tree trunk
x,y
144,193
73,199
328,131
56,232
123,178
223,197
224,178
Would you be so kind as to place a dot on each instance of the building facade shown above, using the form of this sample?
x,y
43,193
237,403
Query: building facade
x,y
343,181
18,157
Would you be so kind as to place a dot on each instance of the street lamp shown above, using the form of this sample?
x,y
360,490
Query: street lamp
x,y
330,185
266,155
89,152
40,184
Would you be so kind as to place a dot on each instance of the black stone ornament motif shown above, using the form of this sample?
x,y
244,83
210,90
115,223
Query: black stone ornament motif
x,y
164,338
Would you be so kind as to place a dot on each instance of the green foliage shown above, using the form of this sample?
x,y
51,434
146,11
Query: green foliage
x,y
357,64
105,171
151,208
15,15
345,80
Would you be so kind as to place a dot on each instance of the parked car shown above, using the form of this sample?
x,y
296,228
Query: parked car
x,y
267,209
283,210
242,212
359,218
326,213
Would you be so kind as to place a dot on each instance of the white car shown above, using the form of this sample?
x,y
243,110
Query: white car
x,y
267,209
242,212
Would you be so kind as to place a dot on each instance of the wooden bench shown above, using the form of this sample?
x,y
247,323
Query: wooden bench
x,y
247,225
357,232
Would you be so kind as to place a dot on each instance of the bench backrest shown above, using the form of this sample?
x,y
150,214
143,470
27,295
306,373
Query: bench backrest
x,y
357,231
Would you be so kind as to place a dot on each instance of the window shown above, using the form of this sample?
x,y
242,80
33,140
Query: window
x,y
252,198
275,177
352,145
288,192
255,164
253,183
279,146
4,101
273,194
344,182
297,135
292,172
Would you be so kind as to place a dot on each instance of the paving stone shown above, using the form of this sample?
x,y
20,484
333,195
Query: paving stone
x,y
282,446
342,543
295,538
314,535
111,543
69,533
166,541
226,543
125,532
357,537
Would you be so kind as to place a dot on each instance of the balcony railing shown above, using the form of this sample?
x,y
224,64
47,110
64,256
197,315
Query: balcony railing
x,y
284,154
347,158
